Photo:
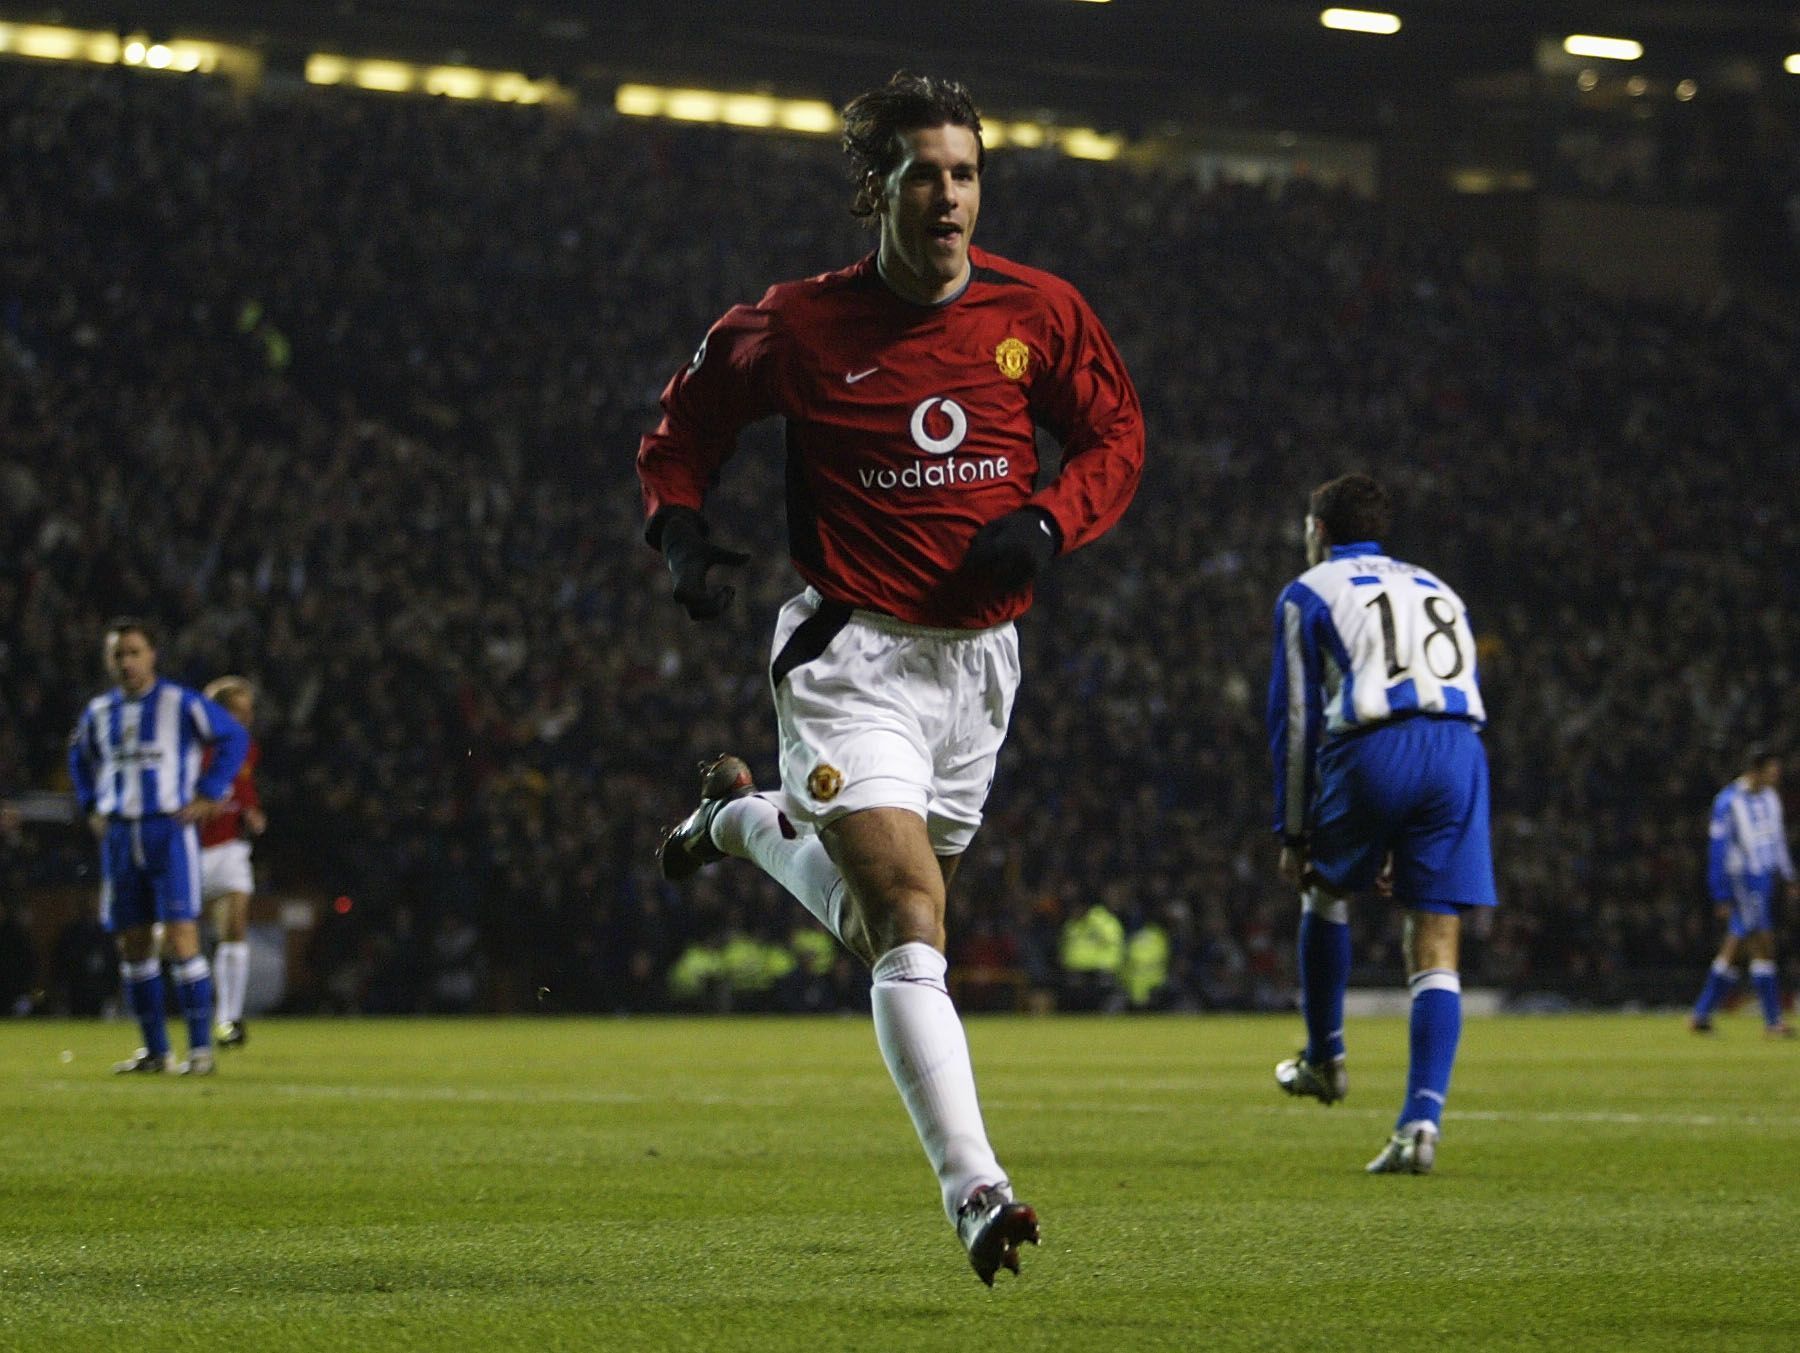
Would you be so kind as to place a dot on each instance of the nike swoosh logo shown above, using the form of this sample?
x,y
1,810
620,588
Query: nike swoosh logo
x,y
852,377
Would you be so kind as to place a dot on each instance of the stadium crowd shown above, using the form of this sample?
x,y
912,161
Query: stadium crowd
x,y
345,390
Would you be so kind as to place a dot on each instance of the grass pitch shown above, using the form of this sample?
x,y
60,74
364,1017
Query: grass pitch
x,y
754,1184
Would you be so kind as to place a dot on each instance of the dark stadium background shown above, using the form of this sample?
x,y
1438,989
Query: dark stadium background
x,y
342,388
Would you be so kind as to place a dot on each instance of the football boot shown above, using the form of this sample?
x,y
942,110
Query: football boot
x,y
992,1225
1328,1082
145,1062
1411,1150
688,846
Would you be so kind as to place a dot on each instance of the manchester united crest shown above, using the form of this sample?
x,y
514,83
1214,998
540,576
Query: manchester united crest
x,y
824,782
1013,358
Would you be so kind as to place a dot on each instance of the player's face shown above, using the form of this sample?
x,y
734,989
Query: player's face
x,y
928,208
130,660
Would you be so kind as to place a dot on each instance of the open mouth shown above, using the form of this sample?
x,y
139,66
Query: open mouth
x,y
946,230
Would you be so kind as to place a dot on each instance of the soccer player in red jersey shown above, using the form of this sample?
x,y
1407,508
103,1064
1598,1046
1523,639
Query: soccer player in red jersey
x,y
225,874
912,384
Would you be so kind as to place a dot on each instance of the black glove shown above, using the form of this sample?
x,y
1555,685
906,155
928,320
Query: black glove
x,y
689,554
1012,550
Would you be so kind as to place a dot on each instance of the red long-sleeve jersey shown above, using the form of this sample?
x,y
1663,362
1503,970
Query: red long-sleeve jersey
x,y
909,427
228,823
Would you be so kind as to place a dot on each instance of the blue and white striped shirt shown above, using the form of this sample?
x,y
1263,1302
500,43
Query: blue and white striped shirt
x,y
1361,639
134,758
1746,840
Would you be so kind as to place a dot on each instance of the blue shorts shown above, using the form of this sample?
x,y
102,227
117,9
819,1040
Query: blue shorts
x,y
1418,788
149,872
1752,903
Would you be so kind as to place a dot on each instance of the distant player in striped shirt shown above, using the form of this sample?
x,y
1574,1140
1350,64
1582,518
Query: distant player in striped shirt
x,y
1374,725
135,762
1747,851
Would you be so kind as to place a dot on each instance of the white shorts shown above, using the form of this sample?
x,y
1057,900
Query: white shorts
x,y
226,869
876,713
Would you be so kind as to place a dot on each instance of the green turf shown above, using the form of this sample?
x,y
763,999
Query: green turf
x,y
643,1184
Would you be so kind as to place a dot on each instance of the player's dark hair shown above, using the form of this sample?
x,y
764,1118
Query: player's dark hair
x,y
1759,754
1351,507
874,122
131,624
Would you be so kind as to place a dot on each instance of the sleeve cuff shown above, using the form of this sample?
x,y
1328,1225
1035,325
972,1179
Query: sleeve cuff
x,y
659,522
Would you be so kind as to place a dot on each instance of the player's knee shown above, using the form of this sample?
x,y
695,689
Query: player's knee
x,y
903,914
1326,907
1432,941
137,944
234,919
182,939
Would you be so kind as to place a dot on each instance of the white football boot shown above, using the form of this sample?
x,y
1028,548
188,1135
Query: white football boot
x,y
1411,1150
1328,1082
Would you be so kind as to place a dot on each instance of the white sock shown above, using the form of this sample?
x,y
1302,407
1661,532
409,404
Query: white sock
x,y
756,829
922,1041
231,971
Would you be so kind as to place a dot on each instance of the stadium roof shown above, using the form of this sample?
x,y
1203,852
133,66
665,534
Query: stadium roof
x,y
1126,62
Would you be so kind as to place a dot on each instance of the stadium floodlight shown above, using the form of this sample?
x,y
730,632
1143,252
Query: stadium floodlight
x,y
455,82
47,43
509,86
1084,143
812,116
1792,64
50,43
390,77
638,100
1360,21
322,68
692,105
747,110
1603,49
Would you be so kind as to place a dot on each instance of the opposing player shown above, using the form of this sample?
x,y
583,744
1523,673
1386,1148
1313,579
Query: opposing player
x,y
135,761
226,878
1374,725
1747,852
912,383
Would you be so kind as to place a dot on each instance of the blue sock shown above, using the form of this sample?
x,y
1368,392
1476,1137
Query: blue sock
x,y
144,989
194,989
1762,977
1436,1027
1719,982
1324,973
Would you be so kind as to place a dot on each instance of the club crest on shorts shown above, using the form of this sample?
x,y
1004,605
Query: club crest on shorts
x,y
824,782
1013,358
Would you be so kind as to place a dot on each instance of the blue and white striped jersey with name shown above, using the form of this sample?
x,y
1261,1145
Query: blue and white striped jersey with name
x,y
1746,840
138,757
1361,639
